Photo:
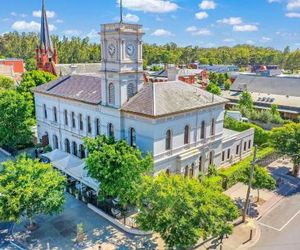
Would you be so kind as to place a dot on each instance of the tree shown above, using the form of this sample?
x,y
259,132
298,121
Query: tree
x,y
213,88
262,179
246,101
6,83
15,119
29,188
286,140
227,84
117,166
182,210
30,64
32,79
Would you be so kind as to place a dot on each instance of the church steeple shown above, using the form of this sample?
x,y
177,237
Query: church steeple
x,y
46,55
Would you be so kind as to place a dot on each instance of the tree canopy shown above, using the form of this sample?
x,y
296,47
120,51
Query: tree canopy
x,y
246,101
182,210
29,188
286,140
213,88
15,119
6,83
117,166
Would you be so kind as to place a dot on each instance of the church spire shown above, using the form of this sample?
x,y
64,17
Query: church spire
x,y
45,40
121,11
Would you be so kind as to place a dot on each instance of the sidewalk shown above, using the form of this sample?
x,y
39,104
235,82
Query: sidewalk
x,y
240,239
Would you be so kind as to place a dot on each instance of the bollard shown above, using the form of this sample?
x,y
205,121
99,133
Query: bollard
x,y
221,247
251,232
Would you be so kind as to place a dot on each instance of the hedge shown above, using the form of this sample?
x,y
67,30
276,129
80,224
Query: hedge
x,y
230,176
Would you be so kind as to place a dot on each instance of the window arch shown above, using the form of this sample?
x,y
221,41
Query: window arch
x,y
187,134
74,148
130,90
67,146
110,129
168,139
111,93
132,137
55,142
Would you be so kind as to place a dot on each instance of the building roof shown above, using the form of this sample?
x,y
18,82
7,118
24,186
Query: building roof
x,y
289,86
78,68
163,98
84,88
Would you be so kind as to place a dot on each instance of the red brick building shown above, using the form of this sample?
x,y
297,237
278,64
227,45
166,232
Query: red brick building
x,y
17,64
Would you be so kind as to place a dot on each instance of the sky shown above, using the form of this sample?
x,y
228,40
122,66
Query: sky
x,y
205,23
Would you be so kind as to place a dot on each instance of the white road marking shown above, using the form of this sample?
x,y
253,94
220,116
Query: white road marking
x,y
289,220
265,225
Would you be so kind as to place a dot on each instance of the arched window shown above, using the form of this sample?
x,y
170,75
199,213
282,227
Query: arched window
x,y
132,137
168,140
74,148
202,134
111,93
130,90
187,134
55,114
81,151
97,126
67,146
110,129
55,142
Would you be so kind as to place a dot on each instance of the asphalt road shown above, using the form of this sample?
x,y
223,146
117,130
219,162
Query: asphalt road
x,y
280,227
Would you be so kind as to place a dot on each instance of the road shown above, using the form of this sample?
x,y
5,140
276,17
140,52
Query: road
x,y
5,231
280,226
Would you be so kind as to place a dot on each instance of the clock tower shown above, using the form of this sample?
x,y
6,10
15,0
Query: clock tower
x,y
122,62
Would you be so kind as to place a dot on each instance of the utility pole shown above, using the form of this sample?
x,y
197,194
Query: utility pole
x,y
249,185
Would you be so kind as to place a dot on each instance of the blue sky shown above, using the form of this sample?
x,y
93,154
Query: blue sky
x,y
206,23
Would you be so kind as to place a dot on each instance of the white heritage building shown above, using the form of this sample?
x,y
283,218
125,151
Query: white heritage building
x,y
181,125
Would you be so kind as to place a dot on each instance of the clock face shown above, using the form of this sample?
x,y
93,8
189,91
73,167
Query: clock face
x,y
130,49
111,49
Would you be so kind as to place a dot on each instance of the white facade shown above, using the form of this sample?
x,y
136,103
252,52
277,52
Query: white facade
x,y
185,142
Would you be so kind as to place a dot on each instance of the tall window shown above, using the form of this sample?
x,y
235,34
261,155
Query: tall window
x,y
186,134
249,144
66,117
74,148
228,153
67,146
73,120
191,173
245,146
202,134
132,137
45,111
55,142
186,171
97,126
80,122
212,128
211,158
168,140
81,151
89,125
55,114
111,93
223,156
110,130
130,90
200,164
237,150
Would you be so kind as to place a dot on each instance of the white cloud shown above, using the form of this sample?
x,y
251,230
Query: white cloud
x,y
38,13
228,40
29,26
154,6
201,15
274,1
231,21
59,21
191,29
161,32
245,28
72,32
23,15
207,5
131,18
265,39
293,15
250,42
202,32
293,5
13,14
93,34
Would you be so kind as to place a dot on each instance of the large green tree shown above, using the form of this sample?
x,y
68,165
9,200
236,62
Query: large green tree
x,y
213,88
246,101
117,166
6,83
15,119
29,188
286,140
182,210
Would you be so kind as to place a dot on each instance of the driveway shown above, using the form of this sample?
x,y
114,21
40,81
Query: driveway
x,y
58,232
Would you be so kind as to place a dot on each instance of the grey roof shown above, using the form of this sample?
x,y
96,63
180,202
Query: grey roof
x,y
163,98
85,88
78,68
45,41
270,85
